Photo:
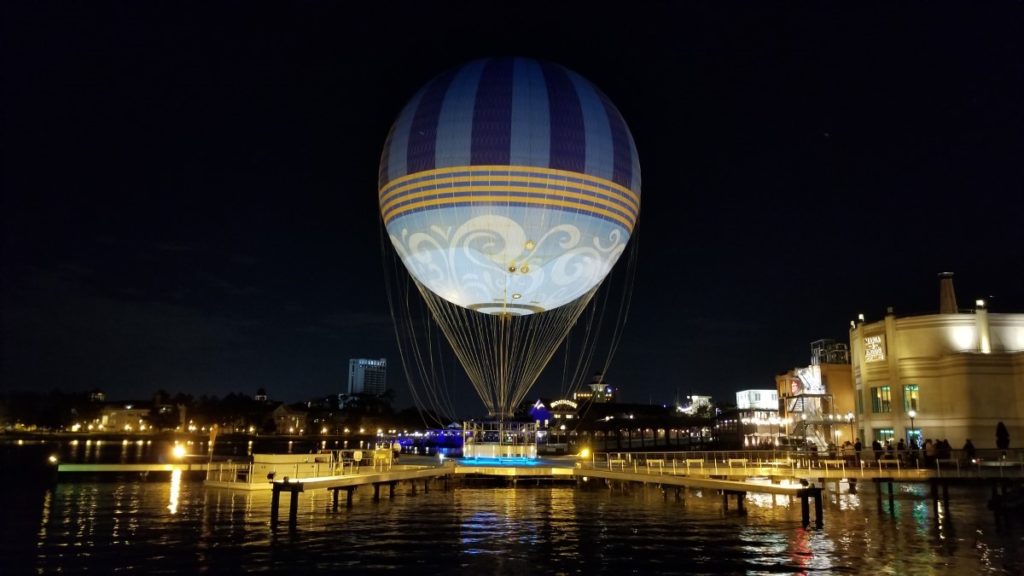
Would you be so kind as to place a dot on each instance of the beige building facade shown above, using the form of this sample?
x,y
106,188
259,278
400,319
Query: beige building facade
x,y
953,375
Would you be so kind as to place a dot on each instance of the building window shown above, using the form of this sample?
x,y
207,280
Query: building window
x,y
910,397
858,395
881,398
883,435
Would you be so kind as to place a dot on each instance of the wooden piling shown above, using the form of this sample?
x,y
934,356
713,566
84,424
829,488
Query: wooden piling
x,y
293,510
819,513
275,501
805,509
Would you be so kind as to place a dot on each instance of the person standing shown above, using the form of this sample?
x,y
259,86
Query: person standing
x,y
969,451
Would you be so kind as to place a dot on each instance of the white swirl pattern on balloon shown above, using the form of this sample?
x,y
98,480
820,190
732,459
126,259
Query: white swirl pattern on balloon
x,y
489,260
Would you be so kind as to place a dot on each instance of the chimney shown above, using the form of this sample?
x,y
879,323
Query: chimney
x,y
947,297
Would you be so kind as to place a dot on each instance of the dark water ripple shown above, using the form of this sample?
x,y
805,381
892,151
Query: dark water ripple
x,y
181,527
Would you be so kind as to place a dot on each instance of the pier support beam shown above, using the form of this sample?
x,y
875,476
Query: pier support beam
x,y
275,504
293,510
348,497
740,501
819,512
878,494
805,507
275,501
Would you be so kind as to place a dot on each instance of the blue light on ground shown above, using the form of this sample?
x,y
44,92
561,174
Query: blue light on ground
x,y
498,461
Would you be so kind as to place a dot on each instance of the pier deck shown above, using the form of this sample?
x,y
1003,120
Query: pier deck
x,y
108,468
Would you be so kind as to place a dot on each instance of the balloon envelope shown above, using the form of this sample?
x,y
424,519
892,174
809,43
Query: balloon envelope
x,y
509,186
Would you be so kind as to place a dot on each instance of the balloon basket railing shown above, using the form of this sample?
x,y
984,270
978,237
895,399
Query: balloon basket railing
x,y
499,442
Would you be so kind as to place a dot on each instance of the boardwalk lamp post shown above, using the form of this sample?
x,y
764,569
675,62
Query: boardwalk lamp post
x,y
911,435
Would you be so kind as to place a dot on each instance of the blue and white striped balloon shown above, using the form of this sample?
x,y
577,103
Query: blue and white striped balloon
x,y
509,186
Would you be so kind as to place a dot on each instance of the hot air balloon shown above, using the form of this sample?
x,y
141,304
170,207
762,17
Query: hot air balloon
x,y
509,188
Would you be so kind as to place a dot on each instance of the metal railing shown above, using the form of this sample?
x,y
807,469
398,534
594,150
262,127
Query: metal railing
x,y
957,464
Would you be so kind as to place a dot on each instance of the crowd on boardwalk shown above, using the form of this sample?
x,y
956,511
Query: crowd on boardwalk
x,y
906,454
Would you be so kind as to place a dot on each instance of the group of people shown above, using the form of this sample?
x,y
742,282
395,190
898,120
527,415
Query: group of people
x,y
908,453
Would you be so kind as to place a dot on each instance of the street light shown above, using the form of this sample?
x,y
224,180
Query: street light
x,y
912,414
849,420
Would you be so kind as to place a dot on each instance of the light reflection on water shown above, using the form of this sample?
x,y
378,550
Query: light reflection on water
x,y
181,527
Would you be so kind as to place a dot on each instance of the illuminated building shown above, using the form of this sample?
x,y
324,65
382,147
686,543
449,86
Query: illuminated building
x,y
758,412
952,375
124,417
367,376
694,404
817,400
599,392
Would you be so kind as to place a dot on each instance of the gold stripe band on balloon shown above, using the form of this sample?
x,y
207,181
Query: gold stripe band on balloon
x,y
542,178
498,190
511,198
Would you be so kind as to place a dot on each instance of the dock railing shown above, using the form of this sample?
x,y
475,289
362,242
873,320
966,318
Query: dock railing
x,y
984,463
261,468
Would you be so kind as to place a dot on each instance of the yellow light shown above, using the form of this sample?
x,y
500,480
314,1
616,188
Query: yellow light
x,y
175,491
585,453
53,458
178,451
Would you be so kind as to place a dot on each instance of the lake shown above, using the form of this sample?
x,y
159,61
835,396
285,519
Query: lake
x,y
178,526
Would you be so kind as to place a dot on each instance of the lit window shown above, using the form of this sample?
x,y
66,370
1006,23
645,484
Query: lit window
x,y
881,398
911,395
883,435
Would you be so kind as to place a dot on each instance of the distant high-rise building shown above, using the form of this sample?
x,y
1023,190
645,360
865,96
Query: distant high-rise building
x,y
366,376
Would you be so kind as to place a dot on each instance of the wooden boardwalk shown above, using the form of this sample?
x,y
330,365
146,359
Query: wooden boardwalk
x,y
142,468
732,475
349,483
729,488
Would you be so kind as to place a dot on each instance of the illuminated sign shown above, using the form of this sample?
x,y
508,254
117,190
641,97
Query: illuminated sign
x,y
874,348
808,380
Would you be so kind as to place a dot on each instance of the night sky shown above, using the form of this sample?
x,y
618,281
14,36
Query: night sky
x,y
189,190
